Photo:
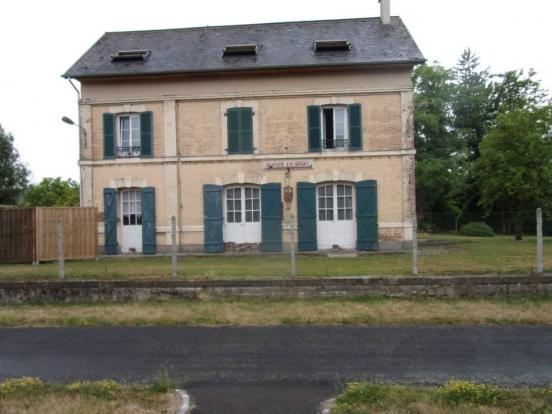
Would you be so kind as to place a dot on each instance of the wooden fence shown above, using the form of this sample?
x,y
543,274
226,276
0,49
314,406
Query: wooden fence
x,y
17,235
29,234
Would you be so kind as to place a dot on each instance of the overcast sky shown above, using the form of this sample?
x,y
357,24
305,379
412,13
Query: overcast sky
x,y
40,40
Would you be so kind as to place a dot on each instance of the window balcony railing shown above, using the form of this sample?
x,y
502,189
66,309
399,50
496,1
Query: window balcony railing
x,y
127,152
336,145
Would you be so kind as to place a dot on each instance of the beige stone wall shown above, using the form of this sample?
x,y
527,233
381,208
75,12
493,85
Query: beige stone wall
x,y
191,111
199,128
386,170
97,125
135,176
280,125
247,86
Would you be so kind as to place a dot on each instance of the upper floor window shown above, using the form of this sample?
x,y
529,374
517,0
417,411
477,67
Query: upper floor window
x,y
128,136
334,128
240,130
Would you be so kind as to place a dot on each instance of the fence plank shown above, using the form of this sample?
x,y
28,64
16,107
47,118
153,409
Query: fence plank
x,y
16,235
79,232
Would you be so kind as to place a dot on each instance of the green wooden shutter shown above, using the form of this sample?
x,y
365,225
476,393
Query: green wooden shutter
x,y
110,221
306,216
367,215
148,220
355,127
246,127
315,134
109,135
271,217
212,213
146,134
233,121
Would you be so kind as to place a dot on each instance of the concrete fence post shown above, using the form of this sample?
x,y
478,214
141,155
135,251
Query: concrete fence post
x,y
291,246
540,252
60,247
174,248
414,245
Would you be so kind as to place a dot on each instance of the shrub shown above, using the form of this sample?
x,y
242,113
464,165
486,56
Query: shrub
x,y
362,393
101,389
477,229
163,382
470,393
20,386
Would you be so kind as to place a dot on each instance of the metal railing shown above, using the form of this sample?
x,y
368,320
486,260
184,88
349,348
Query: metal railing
x,y
337,145
126,152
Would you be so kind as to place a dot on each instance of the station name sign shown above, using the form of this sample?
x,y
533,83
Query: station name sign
x,y
285,164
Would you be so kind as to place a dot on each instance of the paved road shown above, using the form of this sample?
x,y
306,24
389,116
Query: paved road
x,y
290,357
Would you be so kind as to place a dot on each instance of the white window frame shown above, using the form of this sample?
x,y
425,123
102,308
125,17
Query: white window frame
x,y
131,206
335,208
345,145
134,148
243,210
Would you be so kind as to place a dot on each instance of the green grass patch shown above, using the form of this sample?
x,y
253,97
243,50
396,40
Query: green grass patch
x,y
455,397
475,255
32,395
268,312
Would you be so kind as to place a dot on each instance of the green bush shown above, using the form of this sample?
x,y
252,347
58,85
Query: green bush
x,y
477,229
105,389
470,393
25,386
163,382
361,393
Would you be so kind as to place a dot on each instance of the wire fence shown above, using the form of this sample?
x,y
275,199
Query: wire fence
x,y
501,222
442,251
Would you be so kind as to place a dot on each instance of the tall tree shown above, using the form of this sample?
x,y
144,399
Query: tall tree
x,y
514,171
471,97
53,192
14,175
516,90
439,160
433,89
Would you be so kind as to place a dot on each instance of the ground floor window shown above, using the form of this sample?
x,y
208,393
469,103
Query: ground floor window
x,y
242,215
335,198
243,204
336,225
131,207
131,220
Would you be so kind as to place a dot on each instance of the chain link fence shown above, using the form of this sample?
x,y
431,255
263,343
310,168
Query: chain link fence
x,y
499,221
445,248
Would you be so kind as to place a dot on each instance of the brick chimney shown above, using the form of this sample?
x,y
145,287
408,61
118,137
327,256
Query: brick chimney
x,y
385,11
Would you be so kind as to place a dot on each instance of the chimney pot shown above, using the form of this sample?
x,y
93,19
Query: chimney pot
x,y
385,11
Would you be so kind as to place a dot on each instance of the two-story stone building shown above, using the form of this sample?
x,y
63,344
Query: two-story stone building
x,y
213,125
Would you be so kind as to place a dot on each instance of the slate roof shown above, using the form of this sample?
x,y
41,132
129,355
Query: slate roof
x,y
281,45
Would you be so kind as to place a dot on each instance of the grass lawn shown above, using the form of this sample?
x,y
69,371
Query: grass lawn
x,y
31,395
456,397
500,254
265,312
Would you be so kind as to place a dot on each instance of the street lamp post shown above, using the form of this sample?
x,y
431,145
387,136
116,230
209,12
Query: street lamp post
x,y
69,121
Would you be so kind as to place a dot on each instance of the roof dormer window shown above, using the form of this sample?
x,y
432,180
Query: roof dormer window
x,y
239,50
129,55
331,45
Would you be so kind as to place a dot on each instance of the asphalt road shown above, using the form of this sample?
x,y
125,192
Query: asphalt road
x,y
269,363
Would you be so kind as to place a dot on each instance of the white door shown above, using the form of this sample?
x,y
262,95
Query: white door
x,y
242,216
336,223
131,220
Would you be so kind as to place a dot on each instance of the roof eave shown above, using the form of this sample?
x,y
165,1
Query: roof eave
x,y
415,61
